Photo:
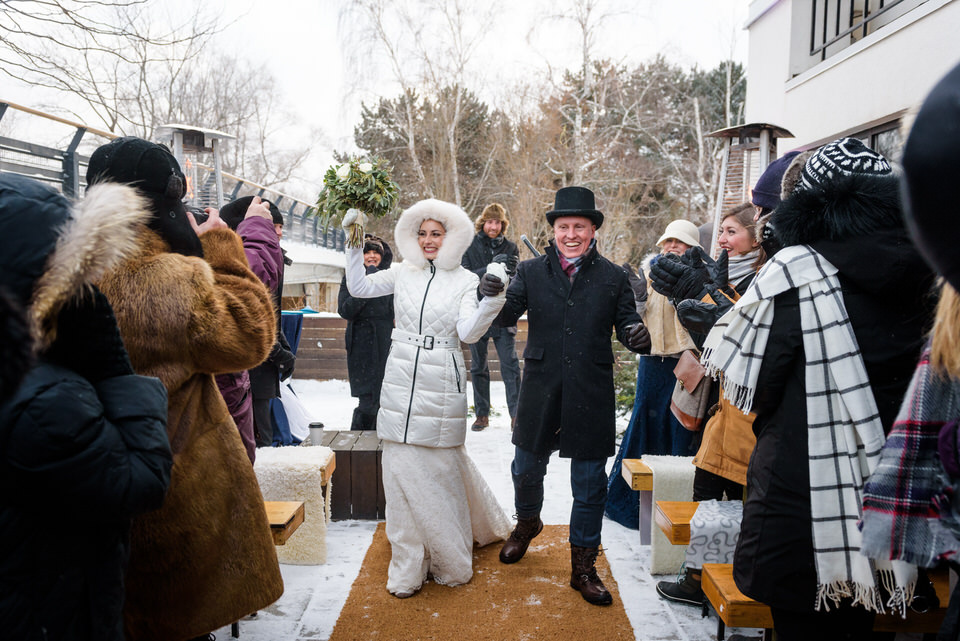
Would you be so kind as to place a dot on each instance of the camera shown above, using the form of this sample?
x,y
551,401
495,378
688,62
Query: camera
x,y
199,214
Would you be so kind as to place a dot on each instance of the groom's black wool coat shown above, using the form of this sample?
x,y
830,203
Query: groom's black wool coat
x,y
567,399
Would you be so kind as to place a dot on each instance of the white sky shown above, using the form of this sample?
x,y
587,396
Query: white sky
x,y
300,42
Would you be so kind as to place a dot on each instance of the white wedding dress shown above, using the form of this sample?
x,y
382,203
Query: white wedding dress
x,y
437,506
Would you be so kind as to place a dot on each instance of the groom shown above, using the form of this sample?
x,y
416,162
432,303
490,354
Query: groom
x,y
573,298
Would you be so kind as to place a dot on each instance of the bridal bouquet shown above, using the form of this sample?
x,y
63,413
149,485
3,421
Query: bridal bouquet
x,y
359,184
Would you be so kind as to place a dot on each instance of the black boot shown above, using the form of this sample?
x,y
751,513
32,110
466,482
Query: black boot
x,y
357,422
516,546
685,590
584,576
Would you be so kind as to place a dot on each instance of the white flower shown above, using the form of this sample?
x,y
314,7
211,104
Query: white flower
x,y
365,167
343,171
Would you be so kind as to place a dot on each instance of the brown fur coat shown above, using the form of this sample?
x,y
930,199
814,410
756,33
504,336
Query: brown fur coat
x,y
206,558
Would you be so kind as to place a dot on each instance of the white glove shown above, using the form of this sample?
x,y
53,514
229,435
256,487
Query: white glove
x,y
353,217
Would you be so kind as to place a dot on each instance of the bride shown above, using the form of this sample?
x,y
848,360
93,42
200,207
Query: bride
x,y
437,504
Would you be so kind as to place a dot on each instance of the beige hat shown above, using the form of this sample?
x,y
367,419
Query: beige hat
x,y
682,230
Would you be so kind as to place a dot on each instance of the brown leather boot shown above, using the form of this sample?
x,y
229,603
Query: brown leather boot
x,y
481,423
584,576
516,546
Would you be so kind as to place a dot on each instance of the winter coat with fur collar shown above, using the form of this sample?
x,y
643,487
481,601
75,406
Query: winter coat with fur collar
x,y
206,558
79,458
424,395
856,224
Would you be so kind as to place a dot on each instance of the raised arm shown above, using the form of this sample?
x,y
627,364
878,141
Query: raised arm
x,y
363,285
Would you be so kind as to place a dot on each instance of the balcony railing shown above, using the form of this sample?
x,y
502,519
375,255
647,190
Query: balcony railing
x,y
844,22
64,170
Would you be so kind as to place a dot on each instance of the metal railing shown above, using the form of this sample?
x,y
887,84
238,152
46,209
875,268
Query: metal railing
x,y
65,170
855,22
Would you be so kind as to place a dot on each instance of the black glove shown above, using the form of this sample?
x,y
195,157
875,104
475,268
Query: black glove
x,y
490,285
282,357
507,260
678,280
699,317
637,284
88,340
638,338
285,364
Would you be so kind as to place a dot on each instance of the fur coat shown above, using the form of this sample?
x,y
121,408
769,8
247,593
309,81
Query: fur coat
x,y
206,558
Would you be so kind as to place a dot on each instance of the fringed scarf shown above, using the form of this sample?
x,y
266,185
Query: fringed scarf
x,y
907,512
844,433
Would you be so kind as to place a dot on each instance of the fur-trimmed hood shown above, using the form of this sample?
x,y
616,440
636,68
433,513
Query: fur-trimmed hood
x,y
840,209
51,250
455,221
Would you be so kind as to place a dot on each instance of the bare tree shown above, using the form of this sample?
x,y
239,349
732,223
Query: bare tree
x,y
428,46
99,51
134,67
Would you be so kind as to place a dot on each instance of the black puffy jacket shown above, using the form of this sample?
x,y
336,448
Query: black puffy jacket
x,y
77,462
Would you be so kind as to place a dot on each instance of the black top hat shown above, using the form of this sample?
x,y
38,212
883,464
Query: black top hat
x,y
575,201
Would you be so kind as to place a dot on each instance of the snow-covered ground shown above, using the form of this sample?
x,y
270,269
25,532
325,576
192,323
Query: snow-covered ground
x,y
314,595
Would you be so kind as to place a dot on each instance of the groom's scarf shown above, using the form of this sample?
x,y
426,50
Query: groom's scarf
x,y
844,433
907,512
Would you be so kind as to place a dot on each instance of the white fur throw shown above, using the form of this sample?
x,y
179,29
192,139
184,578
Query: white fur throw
x,y
672,481
295,474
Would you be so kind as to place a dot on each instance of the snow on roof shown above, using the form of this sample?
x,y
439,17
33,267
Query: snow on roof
x,y
312,264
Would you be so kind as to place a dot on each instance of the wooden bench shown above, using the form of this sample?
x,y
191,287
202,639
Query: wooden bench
x,y
640,477
673,518
285,517
735,609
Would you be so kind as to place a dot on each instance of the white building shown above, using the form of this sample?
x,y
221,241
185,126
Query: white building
x,y
824,69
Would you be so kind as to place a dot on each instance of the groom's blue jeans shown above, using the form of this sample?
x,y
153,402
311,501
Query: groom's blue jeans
x,y
588,481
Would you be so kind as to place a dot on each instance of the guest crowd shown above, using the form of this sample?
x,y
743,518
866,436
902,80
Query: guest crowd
x,y
142,346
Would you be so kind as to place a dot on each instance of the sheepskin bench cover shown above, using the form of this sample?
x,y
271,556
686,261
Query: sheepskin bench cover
x,y
672,481
295,473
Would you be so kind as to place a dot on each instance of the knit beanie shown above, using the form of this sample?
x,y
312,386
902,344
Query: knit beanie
x,y
930,171
766,193
155,173
275,213
844,157
493,211
234,211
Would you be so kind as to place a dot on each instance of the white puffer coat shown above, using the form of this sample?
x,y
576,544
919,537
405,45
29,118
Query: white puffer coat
x,y
424,396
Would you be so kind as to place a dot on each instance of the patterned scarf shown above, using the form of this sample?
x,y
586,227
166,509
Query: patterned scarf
x,y
844,433
907,513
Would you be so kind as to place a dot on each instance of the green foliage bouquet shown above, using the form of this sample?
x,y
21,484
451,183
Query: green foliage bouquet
x,y
359,184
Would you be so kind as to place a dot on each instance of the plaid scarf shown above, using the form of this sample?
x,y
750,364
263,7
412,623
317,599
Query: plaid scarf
x,y
844,434
907,515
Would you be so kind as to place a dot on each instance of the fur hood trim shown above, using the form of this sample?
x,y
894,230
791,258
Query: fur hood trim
x,y
843,208
101,232
455,221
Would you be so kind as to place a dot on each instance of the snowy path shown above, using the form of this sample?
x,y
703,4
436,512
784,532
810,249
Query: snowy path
x,y
314,595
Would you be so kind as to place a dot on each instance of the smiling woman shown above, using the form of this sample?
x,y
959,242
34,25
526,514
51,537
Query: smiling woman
x,y
437,503
430,238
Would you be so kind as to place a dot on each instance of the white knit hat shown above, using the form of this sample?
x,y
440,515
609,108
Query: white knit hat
x,y
682,230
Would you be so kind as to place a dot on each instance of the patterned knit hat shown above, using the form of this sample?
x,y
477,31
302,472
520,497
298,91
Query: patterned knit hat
x,y
844,157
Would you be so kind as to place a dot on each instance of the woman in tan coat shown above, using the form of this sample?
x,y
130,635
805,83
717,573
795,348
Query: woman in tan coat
x,y
189,308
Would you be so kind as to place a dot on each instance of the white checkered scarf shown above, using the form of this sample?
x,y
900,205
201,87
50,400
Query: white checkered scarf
x,y
845,435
